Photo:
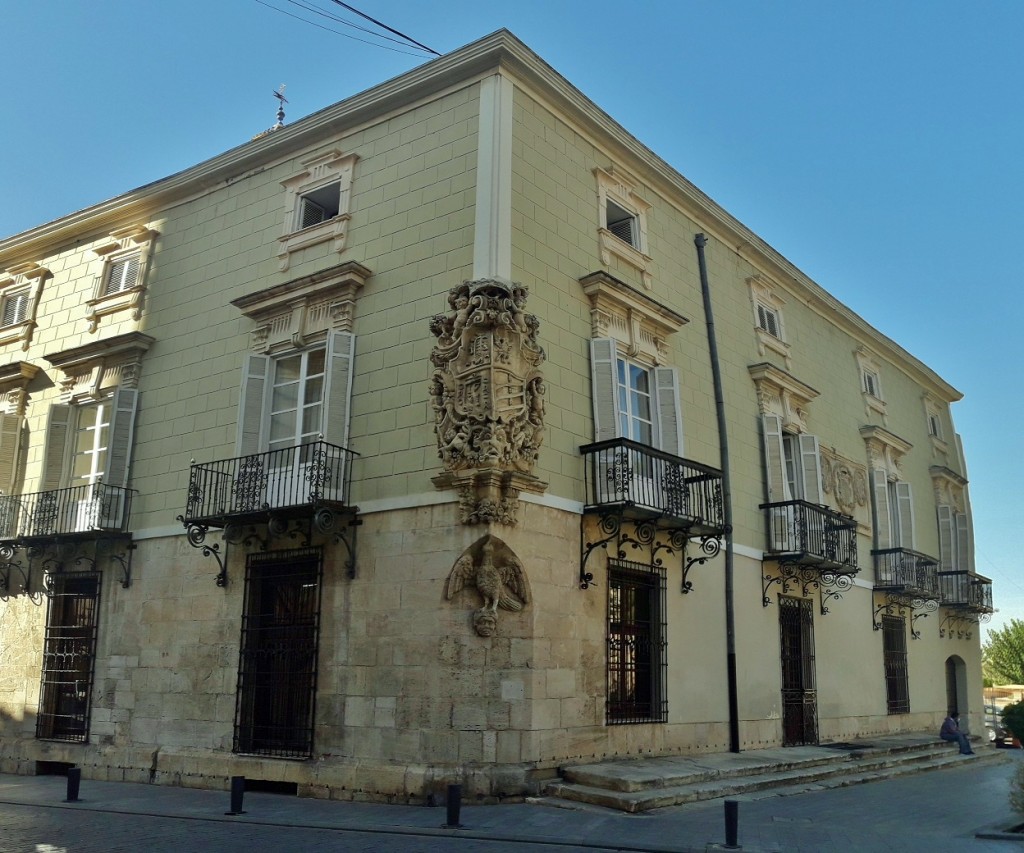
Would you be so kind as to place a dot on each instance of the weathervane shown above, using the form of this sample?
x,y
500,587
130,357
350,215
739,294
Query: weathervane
x,y
282,100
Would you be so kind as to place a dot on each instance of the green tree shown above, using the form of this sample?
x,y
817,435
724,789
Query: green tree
x,y
1002,654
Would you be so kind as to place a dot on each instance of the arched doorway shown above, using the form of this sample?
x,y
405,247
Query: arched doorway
x,y
956,685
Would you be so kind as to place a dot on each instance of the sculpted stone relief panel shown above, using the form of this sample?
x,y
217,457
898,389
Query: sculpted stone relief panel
x,y
496,573
487,392
845,481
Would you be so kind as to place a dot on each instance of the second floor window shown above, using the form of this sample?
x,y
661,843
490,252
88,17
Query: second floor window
x,y
792,463
122,274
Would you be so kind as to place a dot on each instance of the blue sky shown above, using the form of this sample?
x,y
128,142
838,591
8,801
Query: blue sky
x,y
877,145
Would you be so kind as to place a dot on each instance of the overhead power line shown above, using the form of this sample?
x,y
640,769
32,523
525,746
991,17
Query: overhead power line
x,y
386,27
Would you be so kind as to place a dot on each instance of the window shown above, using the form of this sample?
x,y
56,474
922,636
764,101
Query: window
x,y
622,222
636,661
634,401
15,308
870,384
121,283
793,463
934,425
316,204
894,652
277,669
956,547
296,397
69,654
319,205
770,330
894,512
122,274
20,289
768,320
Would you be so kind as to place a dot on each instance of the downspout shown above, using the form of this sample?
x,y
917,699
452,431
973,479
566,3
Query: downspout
x,y
723,443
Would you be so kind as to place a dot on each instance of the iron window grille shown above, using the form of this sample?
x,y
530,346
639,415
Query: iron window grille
x,y
69,657
894,645
637,663
799,690
277,672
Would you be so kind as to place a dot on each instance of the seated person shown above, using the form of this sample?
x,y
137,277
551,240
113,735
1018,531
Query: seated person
x,y
951,731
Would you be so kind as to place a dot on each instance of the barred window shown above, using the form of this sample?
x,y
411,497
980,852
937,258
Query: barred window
x,y
69,655
894,645
637,664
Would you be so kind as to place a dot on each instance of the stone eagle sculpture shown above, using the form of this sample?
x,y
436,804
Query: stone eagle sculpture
x,y
499,578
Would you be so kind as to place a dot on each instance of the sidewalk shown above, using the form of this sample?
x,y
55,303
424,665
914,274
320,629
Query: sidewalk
x,y
935,811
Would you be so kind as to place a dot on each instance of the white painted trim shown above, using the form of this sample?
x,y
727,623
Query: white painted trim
x,y
492,238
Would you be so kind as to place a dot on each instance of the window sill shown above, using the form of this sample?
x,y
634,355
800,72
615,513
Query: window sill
x,y
129,299
17,332
767,342
612,245
335,229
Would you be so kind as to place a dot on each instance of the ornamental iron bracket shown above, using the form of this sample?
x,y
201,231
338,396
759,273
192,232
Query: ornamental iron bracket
x,y
796,577
196,535
655,540
957,625
896,604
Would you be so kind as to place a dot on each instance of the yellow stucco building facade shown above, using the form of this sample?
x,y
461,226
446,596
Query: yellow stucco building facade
x,y
384,451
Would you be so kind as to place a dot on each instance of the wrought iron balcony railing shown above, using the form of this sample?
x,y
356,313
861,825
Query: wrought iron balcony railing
x,y
642,481
812,535
249,488
965,590
905,571
85,509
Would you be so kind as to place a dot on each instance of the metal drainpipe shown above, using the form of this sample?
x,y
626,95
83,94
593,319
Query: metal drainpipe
x,y
700,241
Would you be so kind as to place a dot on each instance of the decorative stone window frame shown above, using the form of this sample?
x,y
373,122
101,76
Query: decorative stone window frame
x,y
764,293
302,311
27,277
121,245
90,371
869,374
885,450
14,381
950,488
639,324
933,424
780,393
322,170
615,185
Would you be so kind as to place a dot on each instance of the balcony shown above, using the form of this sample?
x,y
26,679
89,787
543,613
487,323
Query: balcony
x,y
807,534
289,483
72,514
906,572
642,483
965,591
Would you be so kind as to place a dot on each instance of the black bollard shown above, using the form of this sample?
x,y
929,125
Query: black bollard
x,y
74,782
237,792
732,824
454,803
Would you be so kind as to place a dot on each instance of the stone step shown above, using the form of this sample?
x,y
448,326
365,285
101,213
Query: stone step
x,y
638,792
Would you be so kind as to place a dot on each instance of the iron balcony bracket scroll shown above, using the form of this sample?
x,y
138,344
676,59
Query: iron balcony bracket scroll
x,y
893,605
125,562
610,524
791,577
196,535
710,546
922,607
957,624
345,536
833,585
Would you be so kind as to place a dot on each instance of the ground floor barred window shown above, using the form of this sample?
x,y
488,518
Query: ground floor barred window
x,y
278,662
69,656
636,663
894,649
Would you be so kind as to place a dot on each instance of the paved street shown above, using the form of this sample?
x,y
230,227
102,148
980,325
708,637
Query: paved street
x,y
933,812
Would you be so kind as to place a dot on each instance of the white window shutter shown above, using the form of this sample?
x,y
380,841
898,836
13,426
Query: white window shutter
x,y
774,459
947,537
338,387
905,514
883,513
603,389
255,375
668,411
122,432
58,426
10,436
963,542
810,467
